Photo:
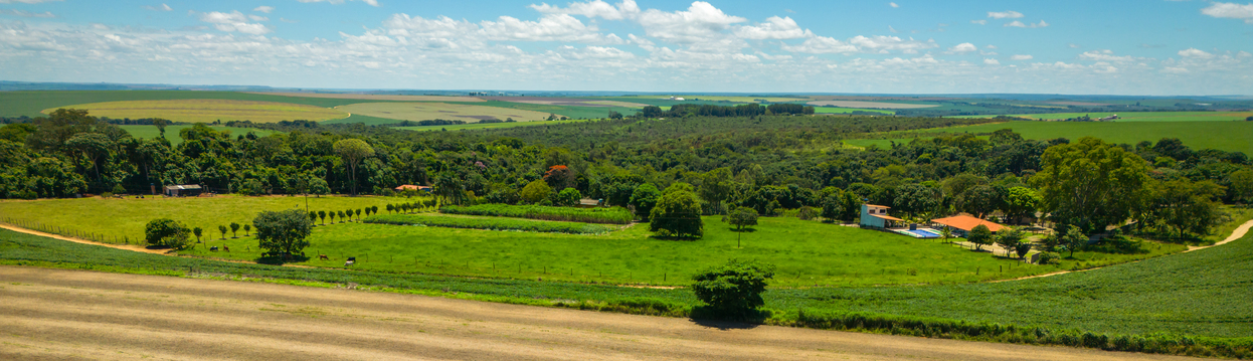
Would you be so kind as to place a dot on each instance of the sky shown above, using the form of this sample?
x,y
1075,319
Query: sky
x,y
1107,47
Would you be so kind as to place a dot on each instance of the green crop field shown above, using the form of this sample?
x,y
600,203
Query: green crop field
x,y
1226,136
488,223
116,220
473,126
468,112
171,131
808,253
830,110
32,103
717,98
207,110
569,111
1139,116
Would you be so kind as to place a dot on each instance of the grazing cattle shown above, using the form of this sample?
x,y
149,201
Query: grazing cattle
x,y
350,261
324,257
213,249
225,248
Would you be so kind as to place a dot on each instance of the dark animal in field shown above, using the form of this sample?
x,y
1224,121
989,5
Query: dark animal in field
x,y
225,248
350,261
322,256
213,249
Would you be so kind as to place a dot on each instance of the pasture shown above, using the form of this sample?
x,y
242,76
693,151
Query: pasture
x,y
378,97
868,104
171,132
1138,116
118,220
1226,136
808,254
831,110
722,98
447,111
32,103
474,126
207,110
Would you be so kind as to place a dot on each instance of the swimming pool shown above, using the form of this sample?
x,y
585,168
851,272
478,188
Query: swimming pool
x,y
924,233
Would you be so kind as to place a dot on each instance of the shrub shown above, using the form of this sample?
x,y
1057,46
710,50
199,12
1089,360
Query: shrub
x,y
167,232
733,290
569,197
677,213
1049,258
807,213
495,224
615,215
119,189
282,233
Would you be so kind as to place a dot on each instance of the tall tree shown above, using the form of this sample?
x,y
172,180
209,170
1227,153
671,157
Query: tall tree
x,y
742,218
353,151
980,236
644,199
1091,184
282,233
677,214
1186,206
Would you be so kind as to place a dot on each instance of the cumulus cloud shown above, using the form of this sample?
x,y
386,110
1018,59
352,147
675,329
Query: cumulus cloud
x,y
233,21
701,22
1021,57
624,10
990,61
369,2
554,27
1019,24
774,28
963,48
1230,11
979,22
26,14
1195,53
1104,55
163,7
894,5
1009,14
263,9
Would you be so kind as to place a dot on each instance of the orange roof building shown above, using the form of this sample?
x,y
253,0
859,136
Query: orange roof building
x,y
413,187
963,224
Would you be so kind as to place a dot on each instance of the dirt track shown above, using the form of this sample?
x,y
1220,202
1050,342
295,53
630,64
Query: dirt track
x,y
60,314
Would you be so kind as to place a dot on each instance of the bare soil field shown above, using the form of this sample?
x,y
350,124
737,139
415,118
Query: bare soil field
x,y
868,104
64,314
568,102
403,98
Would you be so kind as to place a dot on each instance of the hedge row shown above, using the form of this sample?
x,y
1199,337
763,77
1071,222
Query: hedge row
x,y
495,224
615,215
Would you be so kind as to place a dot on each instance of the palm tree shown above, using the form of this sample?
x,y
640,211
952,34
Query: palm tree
x,y
946,233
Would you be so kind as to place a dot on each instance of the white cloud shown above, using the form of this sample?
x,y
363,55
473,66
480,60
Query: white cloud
x,y
1019,24
1195,53
553,27
701,22
822,45
258,18
894,5
979,22
1104,55
991,61
163,7
1021,57
1073,46
891,29
26,14
773,28
596,8
264,9
963,48
233,21
990,46
1009,14
1175,70
369,2
1230,11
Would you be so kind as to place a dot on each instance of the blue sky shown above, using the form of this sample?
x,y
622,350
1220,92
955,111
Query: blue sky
x,y
1134,47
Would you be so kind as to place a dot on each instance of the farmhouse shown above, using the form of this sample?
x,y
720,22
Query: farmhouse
x,y
413,187
963,224
876,217
186,190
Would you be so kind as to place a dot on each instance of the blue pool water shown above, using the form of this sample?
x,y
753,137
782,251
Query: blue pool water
x,y
924,234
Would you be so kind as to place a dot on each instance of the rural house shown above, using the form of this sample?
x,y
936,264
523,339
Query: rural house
x,y
186,190
876,217
413,187
963,224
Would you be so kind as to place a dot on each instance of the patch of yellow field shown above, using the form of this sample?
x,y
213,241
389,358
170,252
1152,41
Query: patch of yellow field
x,y
429,111
716,98
377,97
207,110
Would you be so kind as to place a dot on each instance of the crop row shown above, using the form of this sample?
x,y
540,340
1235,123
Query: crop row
x,y
495,224
615,215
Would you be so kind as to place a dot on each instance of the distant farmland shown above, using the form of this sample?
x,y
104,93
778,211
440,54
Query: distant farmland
x,y
1226,136
171,132
207,110
427,111
1139,116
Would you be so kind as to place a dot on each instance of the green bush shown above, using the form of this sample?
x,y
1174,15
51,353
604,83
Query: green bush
x,y
615,215
495,224
733,290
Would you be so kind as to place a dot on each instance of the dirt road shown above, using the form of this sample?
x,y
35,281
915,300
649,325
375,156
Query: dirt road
x,y
61,314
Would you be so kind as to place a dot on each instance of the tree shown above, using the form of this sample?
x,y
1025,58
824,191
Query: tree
x,y
166,232
569,197
644,198
358,214
677,213
536,191
741,218
223,230
715,187
391,208
1074,239
342,219
197,231
318,187
119,189
374,210
234,230
1022,249
1021,202
1242,186
353,151
733,289
1186,206
313,216
322,217
1091,184
615,115
946,233
160,124
560,177
92,146
332,215
449,187
980,236
248,228
1009,239
282,233
914,199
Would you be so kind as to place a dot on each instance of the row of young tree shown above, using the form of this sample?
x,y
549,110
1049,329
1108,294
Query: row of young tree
x,y
709,110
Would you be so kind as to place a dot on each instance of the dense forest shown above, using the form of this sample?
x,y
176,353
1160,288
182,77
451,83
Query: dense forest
x,y
765,162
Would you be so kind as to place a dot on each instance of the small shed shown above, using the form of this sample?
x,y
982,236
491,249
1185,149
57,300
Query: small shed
x,y
184,190
963,224
413,187
590,203
875,216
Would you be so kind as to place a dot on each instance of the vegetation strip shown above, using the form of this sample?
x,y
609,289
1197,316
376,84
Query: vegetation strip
x,y
495,224
615,215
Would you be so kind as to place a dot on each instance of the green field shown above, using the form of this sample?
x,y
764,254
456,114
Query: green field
x,y
32,103
717,98
450,111
207,110
171,131
473,126
830,110
116,220
1226,136
1138,116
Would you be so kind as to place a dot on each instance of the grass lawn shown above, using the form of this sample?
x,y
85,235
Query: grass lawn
x,y
1226,136
807,253
207,110
171,131
116,220
1140,116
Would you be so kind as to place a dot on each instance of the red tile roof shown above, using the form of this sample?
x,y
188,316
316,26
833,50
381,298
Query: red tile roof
x,y
967,223
890,218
